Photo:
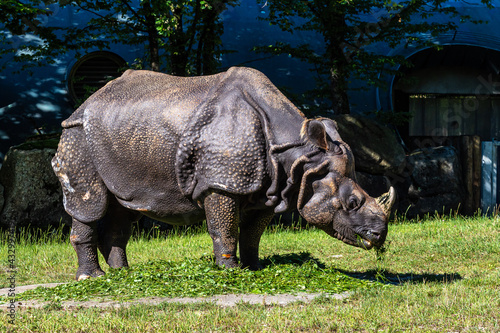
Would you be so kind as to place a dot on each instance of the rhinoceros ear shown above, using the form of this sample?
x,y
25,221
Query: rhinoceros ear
x,y
314,132
331,129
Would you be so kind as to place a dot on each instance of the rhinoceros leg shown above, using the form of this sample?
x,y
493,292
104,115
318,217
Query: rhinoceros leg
x,y
251,228
222,214
84,240
114,232
85,197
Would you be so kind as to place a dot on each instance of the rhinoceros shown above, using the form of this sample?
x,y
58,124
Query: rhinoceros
x,y
228,148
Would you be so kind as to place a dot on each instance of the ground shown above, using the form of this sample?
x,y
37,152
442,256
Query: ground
x,y
221,300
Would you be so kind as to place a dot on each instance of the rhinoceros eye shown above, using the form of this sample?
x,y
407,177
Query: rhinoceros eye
x,y
353,202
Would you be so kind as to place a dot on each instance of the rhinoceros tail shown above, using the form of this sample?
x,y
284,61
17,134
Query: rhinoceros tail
x,y
76,119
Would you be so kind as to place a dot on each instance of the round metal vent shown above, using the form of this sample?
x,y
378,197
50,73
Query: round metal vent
x,y
92,72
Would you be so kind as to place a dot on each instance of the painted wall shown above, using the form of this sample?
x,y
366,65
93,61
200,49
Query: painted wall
x,y
41,99
38,98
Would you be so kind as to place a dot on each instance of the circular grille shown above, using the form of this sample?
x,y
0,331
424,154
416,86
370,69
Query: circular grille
x,y
92,72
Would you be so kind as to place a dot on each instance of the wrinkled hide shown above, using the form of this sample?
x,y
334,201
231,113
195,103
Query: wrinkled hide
x,y
228,148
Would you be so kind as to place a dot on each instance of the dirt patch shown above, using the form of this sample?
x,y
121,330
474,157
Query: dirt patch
x,y
221,300
21,289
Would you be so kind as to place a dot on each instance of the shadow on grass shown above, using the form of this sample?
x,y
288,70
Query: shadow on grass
x,y
402,278
298,259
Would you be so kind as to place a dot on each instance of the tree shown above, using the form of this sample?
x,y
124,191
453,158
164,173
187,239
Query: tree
x,y
348,28
184,32
20,18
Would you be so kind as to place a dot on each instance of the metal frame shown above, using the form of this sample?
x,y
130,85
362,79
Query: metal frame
x,y
489,176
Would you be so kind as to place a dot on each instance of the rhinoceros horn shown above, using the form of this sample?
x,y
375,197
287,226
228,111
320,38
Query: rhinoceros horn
x,y
386,200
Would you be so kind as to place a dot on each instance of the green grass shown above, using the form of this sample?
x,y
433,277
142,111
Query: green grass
x,y
441,275
201,277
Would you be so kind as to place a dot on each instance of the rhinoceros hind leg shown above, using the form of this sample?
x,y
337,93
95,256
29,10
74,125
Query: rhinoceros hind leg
x,y
114,231
84,240
222,214
85,194
251,228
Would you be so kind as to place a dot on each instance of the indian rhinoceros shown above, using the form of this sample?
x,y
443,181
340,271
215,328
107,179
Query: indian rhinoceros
x,y
228,148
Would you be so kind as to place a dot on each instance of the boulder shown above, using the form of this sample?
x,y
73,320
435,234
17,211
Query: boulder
x,y
32,192
374,185
434,183
375,146
1,197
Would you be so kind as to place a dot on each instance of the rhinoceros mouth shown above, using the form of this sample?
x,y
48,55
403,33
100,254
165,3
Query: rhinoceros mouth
x,y
364,243
368,241
358,241
354,239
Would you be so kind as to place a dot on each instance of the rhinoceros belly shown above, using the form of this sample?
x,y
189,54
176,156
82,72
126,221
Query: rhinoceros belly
x,y
136,160
137,164
144,180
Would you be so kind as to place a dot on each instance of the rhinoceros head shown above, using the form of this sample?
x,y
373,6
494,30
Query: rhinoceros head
x,y
329,196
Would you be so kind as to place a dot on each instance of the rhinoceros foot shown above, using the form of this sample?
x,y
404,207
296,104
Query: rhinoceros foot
x,y
86,275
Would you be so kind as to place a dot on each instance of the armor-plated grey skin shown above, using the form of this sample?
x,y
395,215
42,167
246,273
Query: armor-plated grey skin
x,y
228,148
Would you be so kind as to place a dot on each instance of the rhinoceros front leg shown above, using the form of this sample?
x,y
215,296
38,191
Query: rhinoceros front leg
x,y
222,213
114,233
251,228
84,240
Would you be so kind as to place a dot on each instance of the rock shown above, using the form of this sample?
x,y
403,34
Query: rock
x,y
32,192
374,185
434,183
375,147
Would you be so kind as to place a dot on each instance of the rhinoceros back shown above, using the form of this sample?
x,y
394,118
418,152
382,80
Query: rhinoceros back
x,y
159,142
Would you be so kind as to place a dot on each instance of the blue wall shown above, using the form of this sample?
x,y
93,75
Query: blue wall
x,y
41,99
38,97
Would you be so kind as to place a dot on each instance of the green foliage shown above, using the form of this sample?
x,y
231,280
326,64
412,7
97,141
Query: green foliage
x,y
29,18
350,29
184,32
201,277
32,236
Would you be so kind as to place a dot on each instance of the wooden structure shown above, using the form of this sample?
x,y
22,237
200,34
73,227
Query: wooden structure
x,y
454,97
469,152
455,115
